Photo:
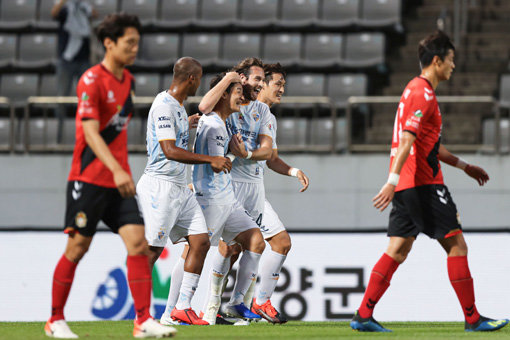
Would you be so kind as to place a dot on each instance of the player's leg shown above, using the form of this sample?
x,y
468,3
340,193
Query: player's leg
x,y
175,287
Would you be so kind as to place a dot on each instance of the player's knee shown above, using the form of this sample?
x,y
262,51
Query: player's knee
x,y
282,245
138,247
76,252
202,244
257,243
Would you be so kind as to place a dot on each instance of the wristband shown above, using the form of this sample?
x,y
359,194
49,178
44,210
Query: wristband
x,y
249,154
393,178
293,172
231,157
461,164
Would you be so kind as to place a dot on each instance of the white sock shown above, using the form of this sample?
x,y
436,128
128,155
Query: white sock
x,y
246,274
175,286
269,275
220,267
249,294
188,288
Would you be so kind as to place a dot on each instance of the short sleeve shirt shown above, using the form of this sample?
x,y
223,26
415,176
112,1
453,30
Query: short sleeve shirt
x,y
167,120
102,97
418,113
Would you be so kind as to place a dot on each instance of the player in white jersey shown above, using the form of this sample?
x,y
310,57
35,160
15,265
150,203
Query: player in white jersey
x,y
224,215
170,209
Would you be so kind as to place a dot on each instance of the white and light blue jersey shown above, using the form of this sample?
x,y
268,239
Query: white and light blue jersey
x,y
253,120
167,120
212,139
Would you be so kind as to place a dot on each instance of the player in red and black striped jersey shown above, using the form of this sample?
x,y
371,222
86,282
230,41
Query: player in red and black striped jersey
x,y
421,201
100,186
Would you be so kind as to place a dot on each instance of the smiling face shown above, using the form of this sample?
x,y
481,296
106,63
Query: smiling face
x,y
254,82
125,49
235,97
273,91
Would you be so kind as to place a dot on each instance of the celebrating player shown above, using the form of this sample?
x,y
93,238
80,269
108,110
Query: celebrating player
x,y
169,207
100,186
421,201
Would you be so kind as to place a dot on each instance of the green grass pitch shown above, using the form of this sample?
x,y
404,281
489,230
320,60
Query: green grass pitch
x,y
292,330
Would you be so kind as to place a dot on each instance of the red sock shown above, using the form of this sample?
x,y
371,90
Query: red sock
x,y
140,283
379,282
460,277
62,281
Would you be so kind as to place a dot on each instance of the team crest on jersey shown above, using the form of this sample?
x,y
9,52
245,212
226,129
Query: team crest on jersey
x,y
256,116
80,219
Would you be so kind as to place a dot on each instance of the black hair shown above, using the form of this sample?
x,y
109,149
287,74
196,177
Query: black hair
x,y
438,43
114,25
270,69
218,78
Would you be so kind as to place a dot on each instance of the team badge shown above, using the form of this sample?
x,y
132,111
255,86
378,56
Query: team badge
x,y
161,234
256,116
80,220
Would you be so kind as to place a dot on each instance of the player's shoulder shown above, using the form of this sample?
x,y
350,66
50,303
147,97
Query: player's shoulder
x,y
212,120
91,76
419,88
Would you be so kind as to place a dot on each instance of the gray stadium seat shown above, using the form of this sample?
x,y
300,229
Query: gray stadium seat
x,y
504,91
158,50
489,133
147,84
37,50
342,86
380,13
16,15
5,133
298,13
341,13
103,8
44,19
48,85
258,13
135,134
217,13
322,50
204,47
291,133
7,49
69,131
306,84
166,80
205,84
42,131
177,13
321,133
364,49
283,48
146,10
18,86
238,46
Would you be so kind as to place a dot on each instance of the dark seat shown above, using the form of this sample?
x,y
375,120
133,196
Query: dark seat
x,y
304,85
204,47
380,13
298,13
217,13
238,46
364,50
103,8
7,49
342,86
44,18
504,91
146,10
18,86
37,51
338,14
147,84
283,48
322,50
205,84
5,133
177,13
291,133
258,14
17,15
158,50
48,85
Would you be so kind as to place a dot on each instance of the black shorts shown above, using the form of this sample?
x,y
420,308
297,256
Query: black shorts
x,y
87,204
427,209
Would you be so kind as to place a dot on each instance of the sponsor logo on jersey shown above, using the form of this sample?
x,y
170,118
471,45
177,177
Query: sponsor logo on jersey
x,y
110,97
84,96
428,97
76,192
418,113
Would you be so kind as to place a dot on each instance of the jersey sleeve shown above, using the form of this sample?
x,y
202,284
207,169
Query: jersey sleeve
x,y
89,98
272,128
265,124
164,122
215,141
418,108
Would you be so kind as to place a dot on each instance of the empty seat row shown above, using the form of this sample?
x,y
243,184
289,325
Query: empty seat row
x,y
28,51
219,13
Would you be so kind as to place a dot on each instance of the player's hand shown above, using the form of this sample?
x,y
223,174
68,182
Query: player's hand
x,y
384,197
220,164
193,120
477,173
305,182
237,146
124,183
233,76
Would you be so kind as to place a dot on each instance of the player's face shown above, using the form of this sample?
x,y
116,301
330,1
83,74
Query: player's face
x,y
275,89
125,49
255,81
446,66
236,97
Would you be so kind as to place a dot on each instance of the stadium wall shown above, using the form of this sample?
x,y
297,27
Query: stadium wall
x,y
32,192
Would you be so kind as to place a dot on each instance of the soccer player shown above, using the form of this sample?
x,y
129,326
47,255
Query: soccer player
x,y
421,201
224,215
169,207
271,227
100,186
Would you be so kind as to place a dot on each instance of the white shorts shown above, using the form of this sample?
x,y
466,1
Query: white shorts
x,y
226,221
252,197
169,210
271,224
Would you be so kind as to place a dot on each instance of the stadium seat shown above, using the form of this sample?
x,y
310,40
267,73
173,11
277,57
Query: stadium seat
x,y
202,46
166,80
5,133
489,133
177,13
298,13
291,133
205,84
283,48
147,84
158,50
42,131
322,50
217,13
69,131
342,86
258,13
18,86
44,18
17,15
103,8
48,85
306,84
321,133
238,46
37,51
338,14
364,50
380,13
135,134
7,50
146,10
504,91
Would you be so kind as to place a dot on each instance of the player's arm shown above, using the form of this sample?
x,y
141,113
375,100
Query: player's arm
x,y
193,120
384,197
178,154
55,10
473,171
263,153
212,97
279,166
122,179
